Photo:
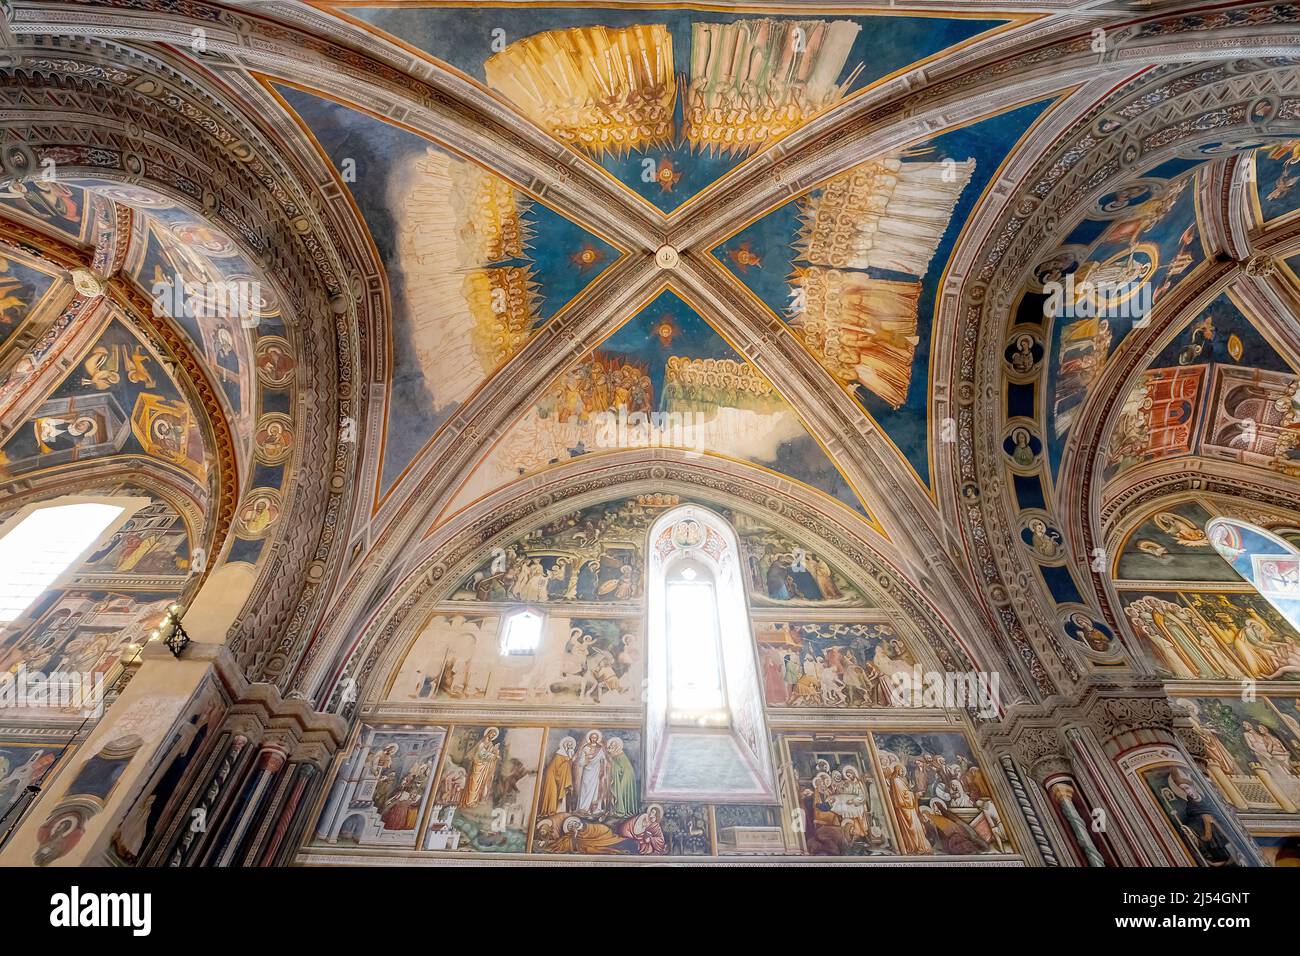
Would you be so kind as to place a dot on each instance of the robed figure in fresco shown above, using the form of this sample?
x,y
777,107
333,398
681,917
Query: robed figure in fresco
x,y
622,779
591,776
482,769
911,828
557,781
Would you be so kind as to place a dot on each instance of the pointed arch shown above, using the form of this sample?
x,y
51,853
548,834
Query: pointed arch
x,y
704,709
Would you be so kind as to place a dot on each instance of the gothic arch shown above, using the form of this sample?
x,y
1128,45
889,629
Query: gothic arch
x,y
1096,156
383,627
933,96
273,228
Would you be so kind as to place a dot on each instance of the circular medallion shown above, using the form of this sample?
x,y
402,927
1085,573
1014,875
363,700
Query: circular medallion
x,y
666,257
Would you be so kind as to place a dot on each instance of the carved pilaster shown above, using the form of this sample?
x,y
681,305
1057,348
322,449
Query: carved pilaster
x,y
1028,810
259,777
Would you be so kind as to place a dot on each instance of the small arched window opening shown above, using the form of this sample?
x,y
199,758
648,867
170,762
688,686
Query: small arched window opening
x,y
521,632
42,543
705,731
1272,566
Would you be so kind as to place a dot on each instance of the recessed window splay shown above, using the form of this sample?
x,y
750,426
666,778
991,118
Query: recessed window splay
x,y
705,723
42,546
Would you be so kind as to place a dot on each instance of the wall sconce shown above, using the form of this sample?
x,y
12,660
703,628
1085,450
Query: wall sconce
x,y
171,632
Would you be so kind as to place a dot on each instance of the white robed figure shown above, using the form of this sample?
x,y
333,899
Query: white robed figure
x,y
591,775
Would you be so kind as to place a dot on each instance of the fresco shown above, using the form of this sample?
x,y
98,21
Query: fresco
x,y
87,794
80,631
194,274
504,789
589,801
665,379
579,661
1222,334
597,555
1261,641
1277,170
1199,822
1214,634
1171,545
198,277
841,806
576,790
23,291
941,800
855,265
1253,417
1163,415
485,790
572,789
1252,748
382,787
750,829
1157,420
473,265
164,792
666,101
116,400
23,763
55,206
153,541
784,573
1279,850
590,796
1113,267
831,664
104,607
1268,562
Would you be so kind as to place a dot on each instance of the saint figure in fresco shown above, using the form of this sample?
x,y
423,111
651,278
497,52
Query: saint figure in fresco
x,y
591,776
622,779
56,432
482,769
910,825
647,830
557,780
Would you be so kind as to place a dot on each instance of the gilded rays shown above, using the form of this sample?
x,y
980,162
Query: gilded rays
x,y
613,91
885,215
457,213
597,89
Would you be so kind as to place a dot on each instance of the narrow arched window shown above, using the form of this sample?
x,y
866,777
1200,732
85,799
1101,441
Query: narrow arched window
x,y
39,545
706,736
521,632
695,684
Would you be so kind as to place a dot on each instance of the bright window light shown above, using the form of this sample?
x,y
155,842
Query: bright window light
x,y
522,634
42,546
695,672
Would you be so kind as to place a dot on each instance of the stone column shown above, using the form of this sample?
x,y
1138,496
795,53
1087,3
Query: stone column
x,y
259,783
1063,789
1026,804
212,798
1047,753
249,805
1140,730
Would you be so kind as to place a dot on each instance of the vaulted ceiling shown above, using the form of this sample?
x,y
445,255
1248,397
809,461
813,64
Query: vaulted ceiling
x,y
825,239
